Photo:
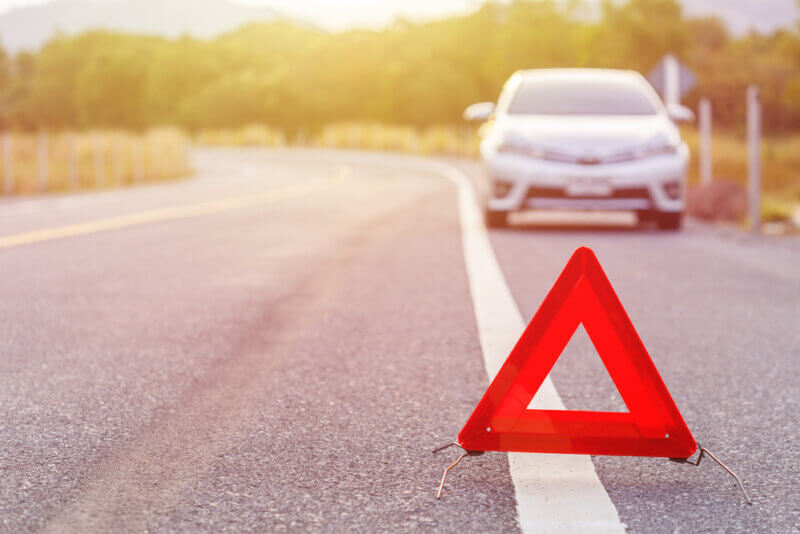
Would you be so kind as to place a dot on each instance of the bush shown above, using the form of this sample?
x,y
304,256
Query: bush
x,y
719,200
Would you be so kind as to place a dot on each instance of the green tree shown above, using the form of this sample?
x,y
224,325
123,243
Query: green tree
x,y
411,73
111,84
17,109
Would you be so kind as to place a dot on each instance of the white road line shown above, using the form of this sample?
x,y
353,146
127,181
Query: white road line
x,y
556,493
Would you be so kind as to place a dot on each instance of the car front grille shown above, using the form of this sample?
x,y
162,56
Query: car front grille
x,y
558,192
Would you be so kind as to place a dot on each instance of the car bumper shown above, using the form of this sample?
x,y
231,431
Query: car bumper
x,y
520,183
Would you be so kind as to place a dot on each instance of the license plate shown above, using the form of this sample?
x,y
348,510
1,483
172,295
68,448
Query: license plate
x,y
589,186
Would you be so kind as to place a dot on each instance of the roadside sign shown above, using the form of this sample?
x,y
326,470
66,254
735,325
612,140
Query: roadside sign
x,y
502,420
672,79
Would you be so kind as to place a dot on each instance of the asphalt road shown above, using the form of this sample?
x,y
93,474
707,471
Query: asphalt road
x,y
279,343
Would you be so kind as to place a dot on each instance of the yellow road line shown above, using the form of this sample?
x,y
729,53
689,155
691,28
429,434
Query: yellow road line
x,y
163,214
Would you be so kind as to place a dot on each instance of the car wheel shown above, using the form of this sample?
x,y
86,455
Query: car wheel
x,y
669,221
496,219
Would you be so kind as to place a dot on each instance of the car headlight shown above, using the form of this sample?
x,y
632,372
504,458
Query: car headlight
x,y
661,144
659,147
534,151
510,147
655,150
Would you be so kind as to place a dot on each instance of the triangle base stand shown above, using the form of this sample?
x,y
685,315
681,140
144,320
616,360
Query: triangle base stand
x,y
703,452
449,467
706,452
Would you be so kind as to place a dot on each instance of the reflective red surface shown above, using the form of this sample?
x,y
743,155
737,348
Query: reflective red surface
x,y
653,426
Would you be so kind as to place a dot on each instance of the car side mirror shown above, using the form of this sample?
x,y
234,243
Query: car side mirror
x,y
480,112
679,113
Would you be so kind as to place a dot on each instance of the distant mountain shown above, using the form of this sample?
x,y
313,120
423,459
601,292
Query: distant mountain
x,y
28,28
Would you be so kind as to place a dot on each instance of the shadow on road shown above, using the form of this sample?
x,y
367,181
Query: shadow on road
x,y
595,223
565,228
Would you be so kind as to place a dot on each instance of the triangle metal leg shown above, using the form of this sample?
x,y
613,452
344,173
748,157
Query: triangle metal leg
x,y
704,451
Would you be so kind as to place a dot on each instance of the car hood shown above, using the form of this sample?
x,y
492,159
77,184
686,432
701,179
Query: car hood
x,y
586,134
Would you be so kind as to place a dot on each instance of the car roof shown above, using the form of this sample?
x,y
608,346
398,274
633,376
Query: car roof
x,y
579,74
590,76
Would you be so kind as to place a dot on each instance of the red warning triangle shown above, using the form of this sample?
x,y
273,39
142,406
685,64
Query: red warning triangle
x,y
653,426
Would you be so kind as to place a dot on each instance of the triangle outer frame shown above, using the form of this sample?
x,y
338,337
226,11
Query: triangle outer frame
x,y
652,427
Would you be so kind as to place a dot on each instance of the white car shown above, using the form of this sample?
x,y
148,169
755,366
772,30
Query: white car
x,y
583,139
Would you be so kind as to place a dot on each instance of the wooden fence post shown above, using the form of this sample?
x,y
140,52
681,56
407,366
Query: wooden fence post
x,y
8,165
155,155
99,161
138,161
72,162
116,156
43,163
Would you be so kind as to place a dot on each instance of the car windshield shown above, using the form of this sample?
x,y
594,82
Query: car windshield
x,y
580,97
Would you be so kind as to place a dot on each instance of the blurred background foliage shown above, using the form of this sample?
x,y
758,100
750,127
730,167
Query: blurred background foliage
x,y
299,79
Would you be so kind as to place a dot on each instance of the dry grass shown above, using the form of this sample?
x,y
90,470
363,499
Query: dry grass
x,y
444,140
253,135
780,156
105,159
97,159
780,159
360,136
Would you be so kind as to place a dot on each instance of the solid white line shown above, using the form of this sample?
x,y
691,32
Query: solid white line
x,y
555,492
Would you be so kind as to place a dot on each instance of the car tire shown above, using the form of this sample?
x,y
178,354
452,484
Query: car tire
x,y
496,219
669,221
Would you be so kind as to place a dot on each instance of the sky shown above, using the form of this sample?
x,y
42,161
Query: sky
x,y
345,14
341,13
348,13
6,4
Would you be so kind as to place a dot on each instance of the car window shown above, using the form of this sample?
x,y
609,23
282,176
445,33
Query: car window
x,y
580,97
